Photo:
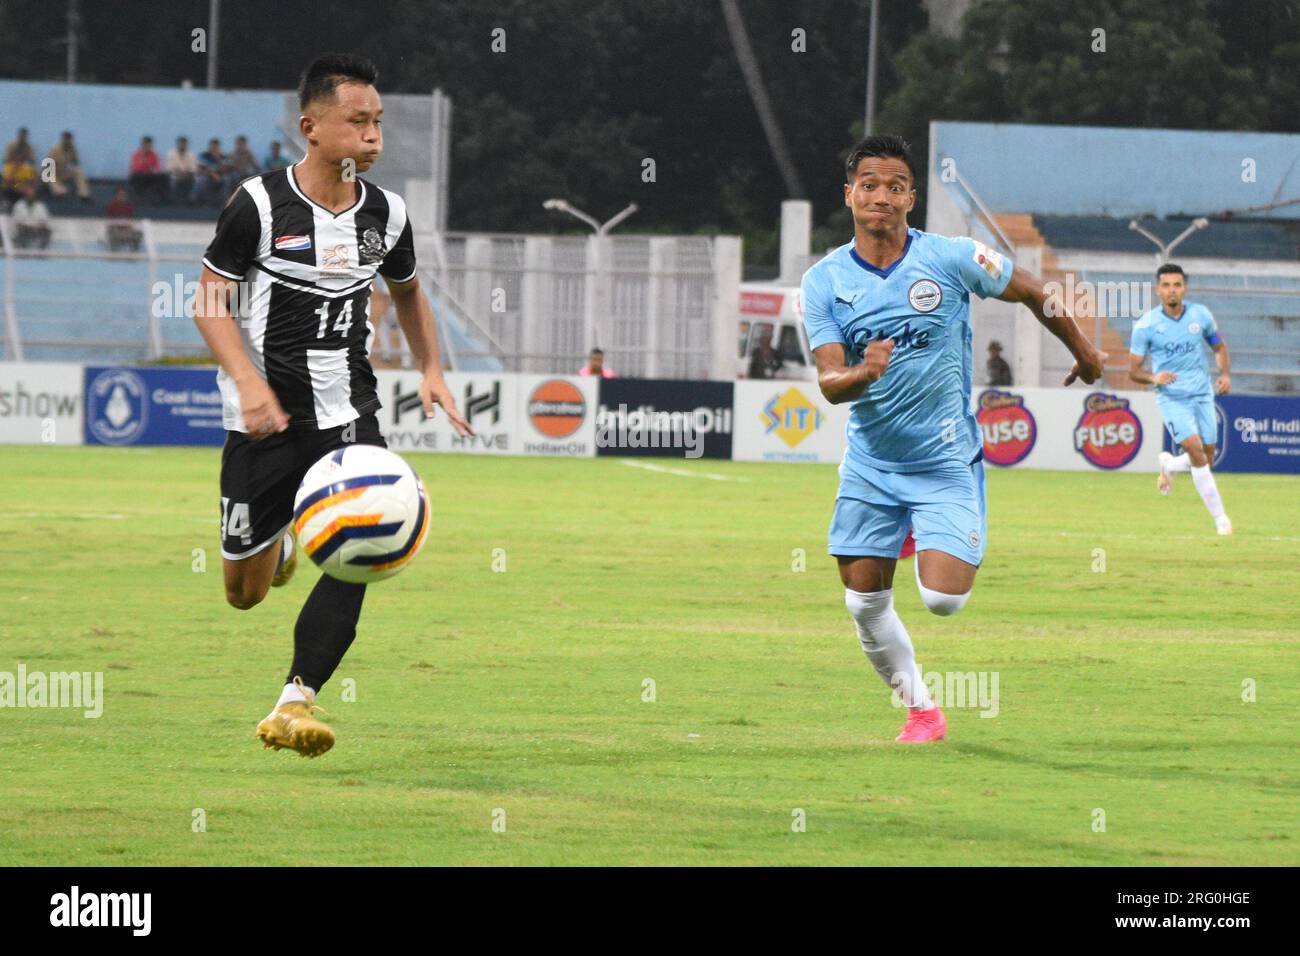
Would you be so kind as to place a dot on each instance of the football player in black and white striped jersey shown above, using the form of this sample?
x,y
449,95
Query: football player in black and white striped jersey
x,y
284,305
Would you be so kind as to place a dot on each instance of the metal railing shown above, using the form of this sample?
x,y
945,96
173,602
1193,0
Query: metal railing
x,y
658,305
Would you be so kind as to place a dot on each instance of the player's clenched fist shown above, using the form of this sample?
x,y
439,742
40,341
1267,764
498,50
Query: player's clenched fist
x,y
262,413
876,358
1088,368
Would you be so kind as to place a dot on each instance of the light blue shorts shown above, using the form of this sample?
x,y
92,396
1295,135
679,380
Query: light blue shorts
x,y
1185,417
944,508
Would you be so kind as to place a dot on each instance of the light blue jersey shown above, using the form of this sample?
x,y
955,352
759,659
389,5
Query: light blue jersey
x,y
1178,346
917,416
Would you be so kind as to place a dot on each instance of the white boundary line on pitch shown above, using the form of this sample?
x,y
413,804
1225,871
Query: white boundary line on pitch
x,y
682,472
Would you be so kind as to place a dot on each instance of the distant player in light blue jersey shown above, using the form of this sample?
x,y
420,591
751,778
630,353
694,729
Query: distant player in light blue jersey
x,y
888,320
1175,336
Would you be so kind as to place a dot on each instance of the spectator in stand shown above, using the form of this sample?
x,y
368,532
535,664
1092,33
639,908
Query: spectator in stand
x,y
764,362
19,166
20,150
183,170
147,179
67,168
242,161
596,365
216,175
31,219
122,232
275,159
999,372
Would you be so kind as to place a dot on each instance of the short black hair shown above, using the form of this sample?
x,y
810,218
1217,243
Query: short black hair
x,y
888,146
597,352
1169,267
328,70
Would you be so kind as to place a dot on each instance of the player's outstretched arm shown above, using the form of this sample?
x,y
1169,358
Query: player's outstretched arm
x,y
415,316
1027,289
841,382
258,405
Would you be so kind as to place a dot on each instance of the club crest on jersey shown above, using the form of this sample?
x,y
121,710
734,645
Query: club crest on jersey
x,y
925,295
334,259
292,243
371,248
1194,328
988,260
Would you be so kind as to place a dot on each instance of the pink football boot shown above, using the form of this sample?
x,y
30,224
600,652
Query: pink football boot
x,y
923,727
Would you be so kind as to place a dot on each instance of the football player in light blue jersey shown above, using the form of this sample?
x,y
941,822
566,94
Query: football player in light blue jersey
x,y
1175,336
888,320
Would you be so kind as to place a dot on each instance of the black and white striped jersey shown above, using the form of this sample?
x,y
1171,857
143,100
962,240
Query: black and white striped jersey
x,y
305,281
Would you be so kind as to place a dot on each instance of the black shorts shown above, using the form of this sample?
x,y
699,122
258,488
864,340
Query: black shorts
x,y
259,479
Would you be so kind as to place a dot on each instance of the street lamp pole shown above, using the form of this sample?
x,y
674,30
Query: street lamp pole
x,y
598,301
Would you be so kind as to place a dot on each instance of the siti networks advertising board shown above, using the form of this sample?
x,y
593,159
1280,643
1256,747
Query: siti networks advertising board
x,y
40,403
787,421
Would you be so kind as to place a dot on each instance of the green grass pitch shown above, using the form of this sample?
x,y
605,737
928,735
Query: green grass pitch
x,y
516,697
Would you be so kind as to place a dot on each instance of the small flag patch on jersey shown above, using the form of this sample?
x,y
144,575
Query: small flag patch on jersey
x,y
293,242
988,260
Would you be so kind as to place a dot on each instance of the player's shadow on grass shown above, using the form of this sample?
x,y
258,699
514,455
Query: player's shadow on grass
x,y
1123,769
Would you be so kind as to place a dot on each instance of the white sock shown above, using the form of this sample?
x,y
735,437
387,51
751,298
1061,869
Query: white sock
x,y
286,549
1209,491
885,642
937,602
1179,463
291,693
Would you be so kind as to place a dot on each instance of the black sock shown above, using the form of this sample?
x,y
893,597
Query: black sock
x,y
325,630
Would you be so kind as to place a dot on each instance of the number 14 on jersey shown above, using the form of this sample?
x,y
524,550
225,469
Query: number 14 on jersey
x,y
342,321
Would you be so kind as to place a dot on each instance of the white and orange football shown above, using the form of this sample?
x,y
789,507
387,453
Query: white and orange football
x,y
361,513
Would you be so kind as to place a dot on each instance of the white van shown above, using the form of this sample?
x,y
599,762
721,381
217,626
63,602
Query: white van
x,y
774,314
